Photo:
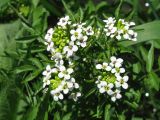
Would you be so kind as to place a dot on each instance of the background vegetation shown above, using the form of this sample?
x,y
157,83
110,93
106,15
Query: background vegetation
x,y
23,24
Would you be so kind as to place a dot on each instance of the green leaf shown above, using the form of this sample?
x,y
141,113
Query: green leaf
x,y
69,12
144,53
31,113
24,68
150,59
35,2
118,9
26,39
107,114
57,116
101,5
153,81
67,116
31,76
36,62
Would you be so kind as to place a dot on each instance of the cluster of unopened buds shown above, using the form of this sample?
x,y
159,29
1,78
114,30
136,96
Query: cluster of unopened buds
x,y
119,29
112,78
64,40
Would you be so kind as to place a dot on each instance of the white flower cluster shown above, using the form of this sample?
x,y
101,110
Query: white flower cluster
x,y
62,42
119,29
59,80
111,79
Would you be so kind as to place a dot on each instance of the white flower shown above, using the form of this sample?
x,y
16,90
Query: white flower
x,y
122,81
116,95
46,81
65,73
64,21
106,66
75,96
116,62
48,36
89,30
48,70
70,49
50,47
75,34
117,71
82,40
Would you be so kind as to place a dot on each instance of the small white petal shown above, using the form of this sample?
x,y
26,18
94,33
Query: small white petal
x,y
83,44
69,84
76,85
65,91
110,92
62,68
73,38
55,98
117,64
118,96
108,68
113,70
125,85
113,98
118,84
54,70
67,77
75,48
60,96
60,75
70,70
110,85
44,73
102,90
48,68
122,70
113,58
98,66
125,78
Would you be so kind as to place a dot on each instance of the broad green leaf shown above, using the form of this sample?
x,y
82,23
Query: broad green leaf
x,y
150,59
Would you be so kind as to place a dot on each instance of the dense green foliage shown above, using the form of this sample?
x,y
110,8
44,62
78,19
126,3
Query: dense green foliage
x,y
23,57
